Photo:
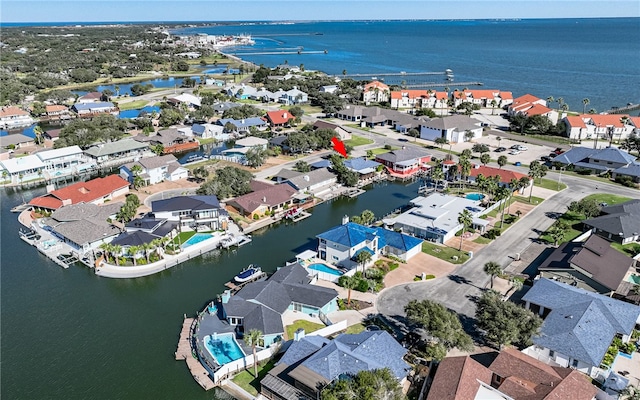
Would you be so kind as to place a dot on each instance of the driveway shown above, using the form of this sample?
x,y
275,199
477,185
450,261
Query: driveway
x,y
420,263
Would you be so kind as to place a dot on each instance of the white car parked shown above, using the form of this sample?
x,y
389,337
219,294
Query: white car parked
x,y
514,152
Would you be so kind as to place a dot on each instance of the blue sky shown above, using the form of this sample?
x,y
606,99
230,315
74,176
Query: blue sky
x,y
246,10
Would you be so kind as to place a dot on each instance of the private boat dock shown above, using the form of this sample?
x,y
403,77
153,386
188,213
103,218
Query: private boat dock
x,y
185,352
237,286
58,252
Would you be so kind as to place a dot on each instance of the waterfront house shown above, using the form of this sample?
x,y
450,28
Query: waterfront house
x,y
619,223
118,152
192,212
453,128
435,217
91,97
529,106
89,110
376,92
279,118
23,169
57,112
65,161
591,265
419,99
605,127
366,169
155,170
404,162
595,160
242,146
95,191
313,181
210,131
312,362
189,100
83,226
508,374
338,130
16,141
578,326
264,199
52,135
13,117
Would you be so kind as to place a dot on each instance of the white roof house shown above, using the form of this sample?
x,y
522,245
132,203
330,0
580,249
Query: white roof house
x,y
22,164
188,99
59,153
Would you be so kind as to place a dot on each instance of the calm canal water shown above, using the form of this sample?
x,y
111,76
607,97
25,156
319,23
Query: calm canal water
x,y
68,334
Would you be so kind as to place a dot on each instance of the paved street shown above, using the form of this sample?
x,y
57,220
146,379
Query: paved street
x,y
457,290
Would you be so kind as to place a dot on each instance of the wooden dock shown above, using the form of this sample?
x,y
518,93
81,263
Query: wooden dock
x,y
184,352
237,286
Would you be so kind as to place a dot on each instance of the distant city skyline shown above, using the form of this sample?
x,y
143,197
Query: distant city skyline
x,y
34,11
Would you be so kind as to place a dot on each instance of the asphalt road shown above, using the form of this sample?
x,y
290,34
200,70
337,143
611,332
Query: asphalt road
x,y
458,290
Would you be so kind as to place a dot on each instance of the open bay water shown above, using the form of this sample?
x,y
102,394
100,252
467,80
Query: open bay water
x,y
69,334
598,59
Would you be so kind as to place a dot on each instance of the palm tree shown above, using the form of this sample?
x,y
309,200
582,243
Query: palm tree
x,y
115,252
437,174
560,101
147,247
117,88
502,161
494,103
466,219
485,158
516,284
550,100
557,232
514,186
133,250
108,249
252,339
465,169
492,269
441,141
502,193
363,258
349,282
585,103
481,182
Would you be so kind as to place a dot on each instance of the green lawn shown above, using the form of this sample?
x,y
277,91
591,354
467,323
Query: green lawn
x,y
551,139
132,105
445,253
183,237
574,221
357,126
482,240
357,141
248,381
308,109
610,199
550,184
630,249
308,326
381,150
525,199
357,328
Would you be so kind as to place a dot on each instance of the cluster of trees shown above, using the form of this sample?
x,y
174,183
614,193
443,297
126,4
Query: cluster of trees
x,y
588,207
504,322
128,209
346,176
632,143
139,89
366,218
309,139
83,133
536,124
242,112
441,324
228,182
374,384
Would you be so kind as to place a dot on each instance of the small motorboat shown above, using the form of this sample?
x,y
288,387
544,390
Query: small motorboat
x,y
292,213
249,273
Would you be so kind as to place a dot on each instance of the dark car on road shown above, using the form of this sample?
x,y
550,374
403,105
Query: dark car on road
x,y
500,149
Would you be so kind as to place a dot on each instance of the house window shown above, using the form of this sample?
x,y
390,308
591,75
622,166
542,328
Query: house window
x,y
574,363
334,258
552,353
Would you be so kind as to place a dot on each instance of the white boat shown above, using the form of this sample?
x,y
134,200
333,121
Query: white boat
x,y
249,273
292,213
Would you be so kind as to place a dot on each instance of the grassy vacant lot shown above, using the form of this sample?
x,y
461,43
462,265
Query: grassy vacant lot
x,y
248,381
445,253
308,326
357,141
132,105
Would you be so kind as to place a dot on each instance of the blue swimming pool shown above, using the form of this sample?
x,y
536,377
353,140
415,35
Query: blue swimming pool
x,y
324,268
635,279
223,348
197,238
475,196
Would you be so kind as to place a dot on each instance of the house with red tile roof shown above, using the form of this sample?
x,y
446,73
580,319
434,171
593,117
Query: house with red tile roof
x,y
279,118
57,111
95,191
530,105
376,92
484,97
419,99
14,117
614,127
505,175
507,374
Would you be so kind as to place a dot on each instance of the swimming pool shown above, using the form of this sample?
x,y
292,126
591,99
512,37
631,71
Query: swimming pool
x,y
223,348
197,238
475,196
324,268
635,279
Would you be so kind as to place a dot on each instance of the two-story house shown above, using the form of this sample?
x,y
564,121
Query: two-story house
x,y
192,212
155,169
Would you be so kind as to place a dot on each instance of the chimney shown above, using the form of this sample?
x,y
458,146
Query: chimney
x,y
226,295
299,334
284,115
345,219
264,199
306,178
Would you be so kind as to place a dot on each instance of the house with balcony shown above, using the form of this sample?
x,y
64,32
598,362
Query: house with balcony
x,y
192,212
64,161
95,191
419,99
508,374
454,128
312,362
118,152
89,110
435,217
376,92
579,325
155,170
241,92
56,112
23,169
404,163
294,96
13,117
605,127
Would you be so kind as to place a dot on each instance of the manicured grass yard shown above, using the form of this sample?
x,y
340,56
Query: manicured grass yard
x,y
381,150
132,105
248,381
357,328
550,184
357,141
183,237
308,326
610,199
630,249
444,253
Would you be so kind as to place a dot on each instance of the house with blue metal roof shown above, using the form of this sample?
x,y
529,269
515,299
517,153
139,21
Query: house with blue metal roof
x,y
578,326
90,109
341,244
311,363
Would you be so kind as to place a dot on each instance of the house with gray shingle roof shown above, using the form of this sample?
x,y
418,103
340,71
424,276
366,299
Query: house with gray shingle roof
x,y
119,152
453,128
619,223
311,363
632,171
598,161
313,180
405,162
155,169
578,326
